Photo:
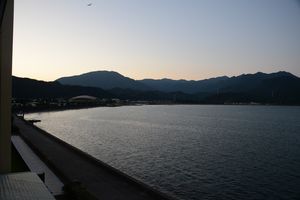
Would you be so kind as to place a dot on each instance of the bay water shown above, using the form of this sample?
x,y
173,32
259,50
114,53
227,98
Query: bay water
x,y
192,151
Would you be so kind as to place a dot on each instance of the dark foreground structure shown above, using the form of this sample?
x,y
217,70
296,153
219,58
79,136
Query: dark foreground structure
x,y
6,38
26,185
76,167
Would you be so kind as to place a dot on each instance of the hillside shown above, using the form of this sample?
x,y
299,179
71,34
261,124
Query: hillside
x,y
30,88
103,79
169,85
258,84
25,88
242,83
274,88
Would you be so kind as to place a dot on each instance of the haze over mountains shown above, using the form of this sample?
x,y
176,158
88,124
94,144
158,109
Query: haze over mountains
x,y
279,88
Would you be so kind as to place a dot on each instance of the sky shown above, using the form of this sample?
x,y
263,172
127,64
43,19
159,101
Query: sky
x,y
178,39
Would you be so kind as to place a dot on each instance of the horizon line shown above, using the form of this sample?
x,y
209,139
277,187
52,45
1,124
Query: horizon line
x,y
165,78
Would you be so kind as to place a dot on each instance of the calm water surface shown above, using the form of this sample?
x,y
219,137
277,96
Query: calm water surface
x,y
192,152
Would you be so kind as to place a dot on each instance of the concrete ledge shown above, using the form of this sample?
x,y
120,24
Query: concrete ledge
x,y
24,185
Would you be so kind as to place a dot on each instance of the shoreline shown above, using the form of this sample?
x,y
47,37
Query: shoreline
x,y
43,110
116,176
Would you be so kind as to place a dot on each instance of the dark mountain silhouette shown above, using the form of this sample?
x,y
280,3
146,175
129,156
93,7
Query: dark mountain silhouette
x,y
235,84
169,85
25,88
103,79
30,88
274,88
258,84
175,97
247,82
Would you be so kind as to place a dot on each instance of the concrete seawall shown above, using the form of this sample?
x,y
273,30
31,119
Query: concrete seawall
x,y
99,179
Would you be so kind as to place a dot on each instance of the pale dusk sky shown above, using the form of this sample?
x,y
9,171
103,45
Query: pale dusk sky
x,y
178,39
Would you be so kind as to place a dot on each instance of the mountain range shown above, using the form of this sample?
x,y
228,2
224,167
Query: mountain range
x,y
277,88
31,88
103,79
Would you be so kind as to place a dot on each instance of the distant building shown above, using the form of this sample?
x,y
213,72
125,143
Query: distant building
x,y
116,100
83,99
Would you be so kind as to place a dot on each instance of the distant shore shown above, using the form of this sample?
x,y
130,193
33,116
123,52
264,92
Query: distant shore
x,y
56,109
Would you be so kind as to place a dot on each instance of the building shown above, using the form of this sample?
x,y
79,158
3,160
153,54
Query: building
x,y
83,99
